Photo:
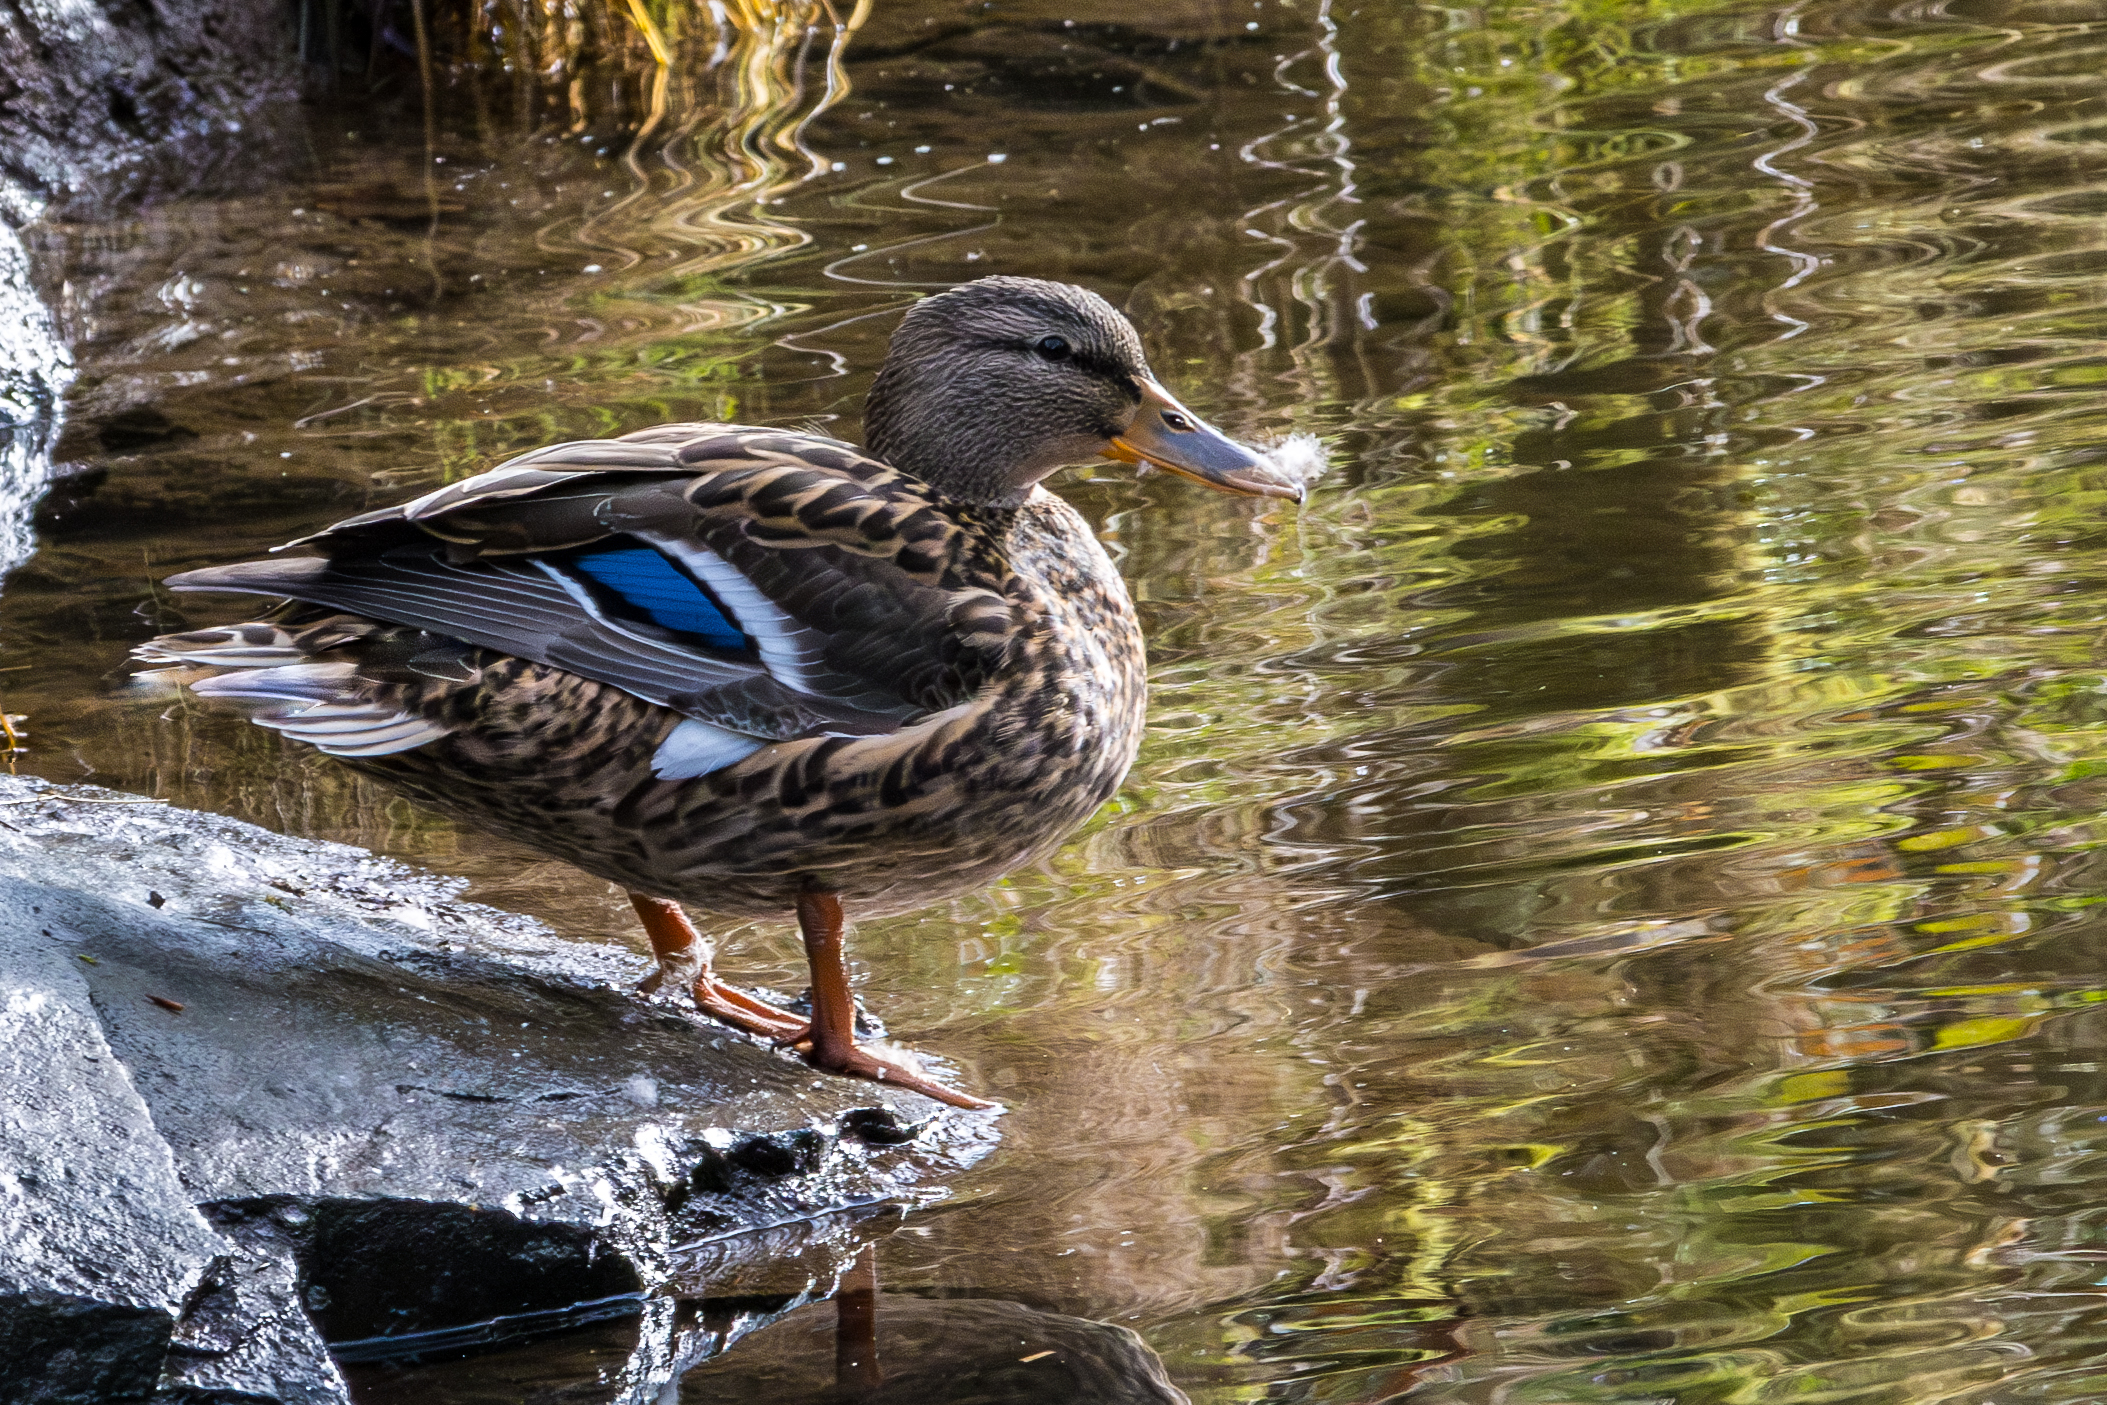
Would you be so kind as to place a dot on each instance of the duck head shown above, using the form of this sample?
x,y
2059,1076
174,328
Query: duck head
x,y
990,387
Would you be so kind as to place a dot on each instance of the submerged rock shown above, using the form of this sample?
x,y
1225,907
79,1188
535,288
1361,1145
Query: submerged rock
x,y
277,1092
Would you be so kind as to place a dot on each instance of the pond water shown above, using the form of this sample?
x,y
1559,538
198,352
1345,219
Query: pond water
x,y
1608,908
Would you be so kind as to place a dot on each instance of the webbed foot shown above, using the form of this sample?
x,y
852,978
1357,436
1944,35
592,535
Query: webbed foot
x,y
730,1005
833,1047
858,1062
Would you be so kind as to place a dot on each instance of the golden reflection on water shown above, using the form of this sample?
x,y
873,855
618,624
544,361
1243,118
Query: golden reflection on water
x,y
1606,909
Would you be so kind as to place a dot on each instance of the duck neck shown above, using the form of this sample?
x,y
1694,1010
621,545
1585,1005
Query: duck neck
x,y
963,431
943,434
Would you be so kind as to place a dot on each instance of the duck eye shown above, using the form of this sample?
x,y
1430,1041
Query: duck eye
x,y
1053,348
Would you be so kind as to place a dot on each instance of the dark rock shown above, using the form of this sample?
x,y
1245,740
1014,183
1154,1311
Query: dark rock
x,y
91,85
63,1350
85,88
243,1338
880,1126
782,1154
458,1263
405,1115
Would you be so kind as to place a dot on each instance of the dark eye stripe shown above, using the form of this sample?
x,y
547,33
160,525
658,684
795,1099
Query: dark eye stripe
x,y
1084,359
1105,368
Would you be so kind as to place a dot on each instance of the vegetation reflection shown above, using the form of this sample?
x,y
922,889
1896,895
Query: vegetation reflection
x,y
1606,909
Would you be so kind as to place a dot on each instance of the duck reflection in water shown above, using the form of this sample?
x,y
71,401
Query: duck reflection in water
x,y
877,1348
754,670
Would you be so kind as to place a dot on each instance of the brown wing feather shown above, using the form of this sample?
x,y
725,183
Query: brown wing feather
x,y
906,587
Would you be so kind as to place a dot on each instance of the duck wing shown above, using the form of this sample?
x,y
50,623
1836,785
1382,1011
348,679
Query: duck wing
x,y
770,584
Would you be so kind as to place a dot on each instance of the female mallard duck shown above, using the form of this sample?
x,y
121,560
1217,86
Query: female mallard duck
x,y
751,669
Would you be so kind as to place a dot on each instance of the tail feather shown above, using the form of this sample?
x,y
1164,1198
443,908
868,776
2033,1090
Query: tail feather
x,y
231,646
355,731
304,682
282,576
329,706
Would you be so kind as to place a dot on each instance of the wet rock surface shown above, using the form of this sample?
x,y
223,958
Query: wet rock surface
x,y
266,1092
84,89
100,1236
87,86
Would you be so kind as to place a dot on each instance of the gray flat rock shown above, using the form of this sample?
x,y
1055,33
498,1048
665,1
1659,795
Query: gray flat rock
x,y
97,1235
378,1114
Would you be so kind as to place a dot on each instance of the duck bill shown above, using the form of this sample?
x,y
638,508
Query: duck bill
x,y
1168,436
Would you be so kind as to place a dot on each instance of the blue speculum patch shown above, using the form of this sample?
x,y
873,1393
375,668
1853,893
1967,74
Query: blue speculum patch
x,y
657,590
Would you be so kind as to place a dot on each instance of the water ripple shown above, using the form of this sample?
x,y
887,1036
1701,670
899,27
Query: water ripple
x,y
1608,906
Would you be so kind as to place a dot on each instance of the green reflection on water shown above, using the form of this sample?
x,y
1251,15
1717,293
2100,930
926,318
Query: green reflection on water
x,y
1606,910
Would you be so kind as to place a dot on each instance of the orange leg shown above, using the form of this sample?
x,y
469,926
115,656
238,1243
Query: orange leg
x,y
683,957
834,1009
